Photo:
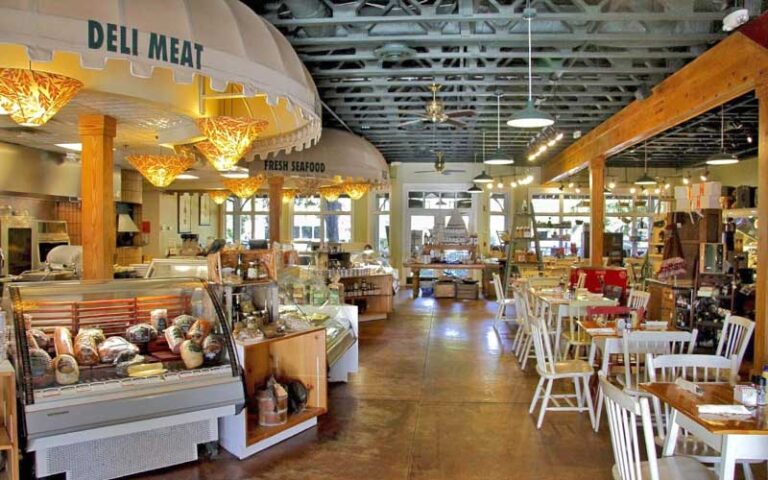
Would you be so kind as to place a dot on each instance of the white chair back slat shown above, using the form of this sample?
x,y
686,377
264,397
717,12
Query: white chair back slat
x,y
581,280
636,344
624,411
500,293
735,336
638,299
542,345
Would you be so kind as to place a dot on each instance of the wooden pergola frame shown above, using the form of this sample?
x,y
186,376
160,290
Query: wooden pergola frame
x,y
735,66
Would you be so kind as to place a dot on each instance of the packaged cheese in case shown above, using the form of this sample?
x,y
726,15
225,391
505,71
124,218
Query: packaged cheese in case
x,y
66,370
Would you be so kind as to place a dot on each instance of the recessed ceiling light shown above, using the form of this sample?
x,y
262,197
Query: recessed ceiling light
x,y
77,147
187,176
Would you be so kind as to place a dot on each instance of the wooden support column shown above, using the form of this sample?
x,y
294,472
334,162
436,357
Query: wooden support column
x,y
275,207
761,295
597,211
97,133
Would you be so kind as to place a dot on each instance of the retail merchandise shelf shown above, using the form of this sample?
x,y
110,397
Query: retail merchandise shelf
x,y
257,433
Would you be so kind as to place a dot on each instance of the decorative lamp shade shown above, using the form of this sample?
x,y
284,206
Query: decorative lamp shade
x,y
231,137
289,195
330,192
31,97
216,159
160,170
243,187
218,196
125,224
356,190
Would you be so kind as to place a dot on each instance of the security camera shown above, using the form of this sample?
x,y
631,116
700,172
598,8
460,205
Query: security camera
x,y
735,19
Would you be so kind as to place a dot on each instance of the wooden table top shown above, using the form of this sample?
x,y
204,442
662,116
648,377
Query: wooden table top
x,y
445,266
588,324
714,394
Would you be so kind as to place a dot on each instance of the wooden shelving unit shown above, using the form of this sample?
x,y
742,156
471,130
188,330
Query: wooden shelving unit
x,y
9,441
297,356
377,306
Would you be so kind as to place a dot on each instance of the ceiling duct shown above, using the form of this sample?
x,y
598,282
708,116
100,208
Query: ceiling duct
x,y
311,9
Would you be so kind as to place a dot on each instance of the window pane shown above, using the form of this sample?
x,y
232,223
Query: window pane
x,y
382,202
575,204
307,204
415,199
343,204
498,202
306,227
261,203
246,205
546,202
246,228
230,205
382,242
229,228
498,224
338,228
261,227
433,200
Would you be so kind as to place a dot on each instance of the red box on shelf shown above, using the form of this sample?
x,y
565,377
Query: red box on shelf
x,y
600,277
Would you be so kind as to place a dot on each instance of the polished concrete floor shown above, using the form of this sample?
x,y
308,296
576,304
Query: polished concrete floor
x,y
438,396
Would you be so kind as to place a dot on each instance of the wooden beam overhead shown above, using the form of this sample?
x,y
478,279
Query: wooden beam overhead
x,y
731,68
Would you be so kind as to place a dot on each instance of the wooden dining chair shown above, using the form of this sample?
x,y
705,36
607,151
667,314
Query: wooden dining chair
x,y
503,304
575,339
581,280
625,413
638,299
699,369
550,370
523,343
734,337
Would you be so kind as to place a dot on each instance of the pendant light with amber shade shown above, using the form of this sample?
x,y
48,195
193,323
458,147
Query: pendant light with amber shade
x,y
31,97
160,170
229,138
243,187
218,196
356,190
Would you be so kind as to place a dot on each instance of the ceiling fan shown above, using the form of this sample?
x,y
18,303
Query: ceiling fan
x,y
435,112
440,166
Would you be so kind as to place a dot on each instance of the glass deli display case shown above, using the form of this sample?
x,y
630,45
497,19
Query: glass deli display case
x,y
121,365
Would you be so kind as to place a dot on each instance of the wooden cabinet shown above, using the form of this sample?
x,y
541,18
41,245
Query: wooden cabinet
x,y
297,356
376,302
9,438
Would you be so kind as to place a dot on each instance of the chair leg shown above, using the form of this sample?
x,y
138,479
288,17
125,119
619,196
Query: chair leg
x,y
536,395
577,389
598,409
589,401
544,403
516,340
520,343
527,351
748,475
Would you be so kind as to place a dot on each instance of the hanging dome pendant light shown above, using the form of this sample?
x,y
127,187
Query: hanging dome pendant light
x,y
530,116
498,157
645,179
721,157
483,177
474,188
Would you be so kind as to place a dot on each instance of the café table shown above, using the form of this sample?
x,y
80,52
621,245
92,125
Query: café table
x,y
737,438
561,304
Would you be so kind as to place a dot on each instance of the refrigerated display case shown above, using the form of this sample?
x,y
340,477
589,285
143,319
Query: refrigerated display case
x,y
178,268
104,420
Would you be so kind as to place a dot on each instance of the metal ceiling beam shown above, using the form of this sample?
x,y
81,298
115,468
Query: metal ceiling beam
x,y
503,17
331,96
640,54
605,80
478,71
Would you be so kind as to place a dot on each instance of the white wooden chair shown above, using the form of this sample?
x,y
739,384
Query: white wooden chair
x,y
635,347
734,337
581,280
503,303
624,411
550,370
638,299
574,338
696,368
525,316
544,282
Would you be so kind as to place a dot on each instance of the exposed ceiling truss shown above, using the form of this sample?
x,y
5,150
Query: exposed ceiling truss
x,y
373,62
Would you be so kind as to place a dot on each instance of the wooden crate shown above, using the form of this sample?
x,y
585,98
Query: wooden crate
x,y
467,291
445,290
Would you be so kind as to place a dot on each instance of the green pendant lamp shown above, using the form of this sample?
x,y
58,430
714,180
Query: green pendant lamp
x,y
645,179
474,188
498,157
722,157
530,116
483,177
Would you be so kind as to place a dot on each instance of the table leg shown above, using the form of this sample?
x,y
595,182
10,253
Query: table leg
x,y
558,328
415,280
727,464
672,430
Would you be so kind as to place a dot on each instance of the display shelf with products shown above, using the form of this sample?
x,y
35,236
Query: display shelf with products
x,y
9,438
298,356
149,358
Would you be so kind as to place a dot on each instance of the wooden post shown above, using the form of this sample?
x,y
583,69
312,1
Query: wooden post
x,y
597,212
761,295
97,133
275,207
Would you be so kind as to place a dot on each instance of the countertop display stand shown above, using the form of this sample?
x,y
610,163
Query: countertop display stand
x,y
378,305
9,438
296,356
